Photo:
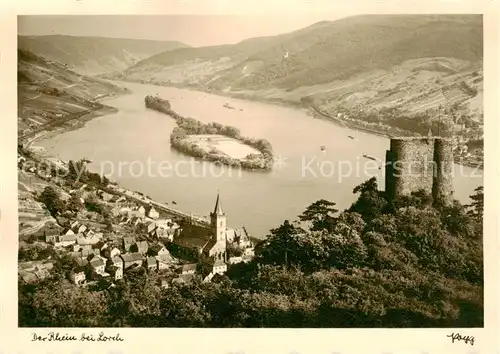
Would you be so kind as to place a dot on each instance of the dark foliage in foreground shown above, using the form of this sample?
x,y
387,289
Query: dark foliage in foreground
x,y
401,264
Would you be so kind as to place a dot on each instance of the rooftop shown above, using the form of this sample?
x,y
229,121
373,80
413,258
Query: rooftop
x,y
193,236
96,262
132,257
189,266
218,206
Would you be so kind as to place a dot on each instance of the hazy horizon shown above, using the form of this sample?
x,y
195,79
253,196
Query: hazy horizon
x,y
193,30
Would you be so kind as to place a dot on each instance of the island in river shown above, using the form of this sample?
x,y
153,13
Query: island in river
x,y
215,142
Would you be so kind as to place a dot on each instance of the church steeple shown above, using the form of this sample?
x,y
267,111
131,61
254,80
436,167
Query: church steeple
x,y
218,207
218,222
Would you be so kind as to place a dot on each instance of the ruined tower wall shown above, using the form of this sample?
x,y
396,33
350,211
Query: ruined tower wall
x,y
443,174
409,166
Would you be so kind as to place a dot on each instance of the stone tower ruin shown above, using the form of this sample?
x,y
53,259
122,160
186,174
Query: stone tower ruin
x,y
420,163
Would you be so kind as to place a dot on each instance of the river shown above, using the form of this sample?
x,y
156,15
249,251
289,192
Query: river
x,y
132,147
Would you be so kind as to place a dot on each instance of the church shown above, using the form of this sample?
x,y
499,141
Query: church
x,y
211,244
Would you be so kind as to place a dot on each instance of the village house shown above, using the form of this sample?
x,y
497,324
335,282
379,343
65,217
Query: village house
x,y
164,261
248,253
111,252
212,268
78,247
100,244
105,196
82,240
97,264
141,247
151,263
75,224
153,214
124,212
115,272
88,252
218,267
166,234
31,266
183,279
81,229
129,259
28,277
51,238
150,227
235,260
77,275
88,232
69,232
135,221
128,242
81,261
208,277
163,251
189,268
137,212
117,261
164,223
95,237
164,284
65,240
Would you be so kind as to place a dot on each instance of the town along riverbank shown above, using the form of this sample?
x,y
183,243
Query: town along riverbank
x,y
215,142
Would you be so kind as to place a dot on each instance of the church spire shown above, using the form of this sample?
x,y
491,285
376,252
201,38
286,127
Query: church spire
x,y
218,207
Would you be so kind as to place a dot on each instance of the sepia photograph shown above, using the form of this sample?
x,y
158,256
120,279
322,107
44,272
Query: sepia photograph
x,y
244,171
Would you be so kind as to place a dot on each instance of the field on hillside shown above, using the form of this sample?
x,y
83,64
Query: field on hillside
x,y
49,93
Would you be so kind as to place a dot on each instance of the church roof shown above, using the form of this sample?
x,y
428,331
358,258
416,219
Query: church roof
x,y
218,207
193,236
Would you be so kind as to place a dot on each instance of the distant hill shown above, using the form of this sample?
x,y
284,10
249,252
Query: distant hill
x,y
374,60
49,93
94,55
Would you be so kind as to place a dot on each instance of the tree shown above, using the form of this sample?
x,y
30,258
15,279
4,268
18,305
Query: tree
x,y
321,214
457,221
93,204
370,203
476,208
76,169
62,304
50,197
74,203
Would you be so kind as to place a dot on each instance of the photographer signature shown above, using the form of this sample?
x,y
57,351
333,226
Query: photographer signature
x,y
457,337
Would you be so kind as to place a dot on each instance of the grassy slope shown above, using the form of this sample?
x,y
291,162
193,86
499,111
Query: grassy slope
x,y
48,91
373,61
94,55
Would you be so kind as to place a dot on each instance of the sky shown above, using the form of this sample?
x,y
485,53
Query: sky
x,y
193,30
